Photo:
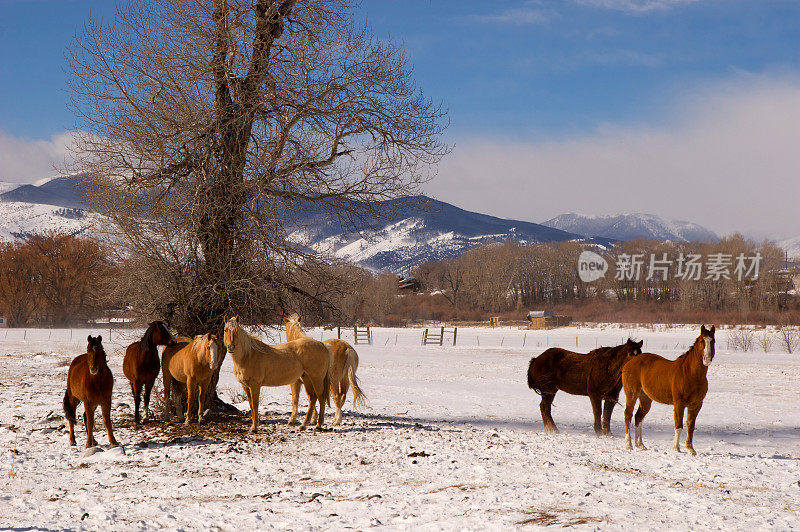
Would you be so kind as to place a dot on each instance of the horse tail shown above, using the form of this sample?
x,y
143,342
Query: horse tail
x,y
69,410
539,371
359,399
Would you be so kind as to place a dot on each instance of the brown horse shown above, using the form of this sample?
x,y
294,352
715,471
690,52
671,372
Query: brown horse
x,y
257,364
596,374
89,381
681,382
192,363
141,364
344,363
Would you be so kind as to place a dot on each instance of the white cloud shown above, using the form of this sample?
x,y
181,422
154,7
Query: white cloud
x,y
637,6
727,160
522,16
25,160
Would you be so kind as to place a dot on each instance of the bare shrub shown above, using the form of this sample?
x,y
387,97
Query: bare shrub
x,y
764,341
789,338
741,340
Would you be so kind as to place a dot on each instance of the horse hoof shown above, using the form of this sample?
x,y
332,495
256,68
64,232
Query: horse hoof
x,y
691,451
252,430
303,427
641,447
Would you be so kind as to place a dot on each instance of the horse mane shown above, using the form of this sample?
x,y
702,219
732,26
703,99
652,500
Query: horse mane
x,y
248,341
691,349
200,342
293,323
147,339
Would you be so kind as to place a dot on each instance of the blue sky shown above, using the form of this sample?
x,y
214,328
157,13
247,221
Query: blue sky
x,y
532,87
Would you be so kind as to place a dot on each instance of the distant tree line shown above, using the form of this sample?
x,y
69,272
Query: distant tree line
x,y
57,280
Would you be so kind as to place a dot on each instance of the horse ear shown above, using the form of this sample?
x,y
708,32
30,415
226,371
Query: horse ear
x,y
640,343
299,317
237,317
89,338
703,329
99,339
713,329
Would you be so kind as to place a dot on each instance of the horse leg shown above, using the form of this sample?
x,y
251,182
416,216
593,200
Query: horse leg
x,y
631,394
339,397
148,387
691,416
106,409
679,408
73,404
644,407
89,417
544,407
136,387
254,393
190,398
312,400
597,411
295,386
201,402
608,408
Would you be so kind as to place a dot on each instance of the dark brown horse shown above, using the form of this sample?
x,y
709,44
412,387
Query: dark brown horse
x,y
681,382
89,381
596,374
141,365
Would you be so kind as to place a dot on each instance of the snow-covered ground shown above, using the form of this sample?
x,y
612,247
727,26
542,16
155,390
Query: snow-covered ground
x,y
451,440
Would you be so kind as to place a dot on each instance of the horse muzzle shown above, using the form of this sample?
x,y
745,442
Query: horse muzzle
x,y
94,371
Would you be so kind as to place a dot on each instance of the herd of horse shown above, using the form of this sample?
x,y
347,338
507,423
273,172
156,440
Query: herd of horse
x,y
328,369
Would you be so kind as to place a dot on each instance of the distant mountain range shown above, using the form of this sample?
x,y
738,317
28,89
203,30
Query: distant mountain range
x,y
631,226
433,231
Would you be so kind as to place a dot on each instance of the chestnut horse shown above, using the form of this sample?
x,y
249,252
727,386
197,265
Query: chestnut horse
x,y
89,381
681,382
141,364
596,374
193,363
257,364
344,363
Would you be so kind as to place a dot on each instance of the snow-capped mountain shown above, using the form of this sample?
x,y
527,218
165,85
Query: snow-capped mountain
x,y
630,226
49,204
434,230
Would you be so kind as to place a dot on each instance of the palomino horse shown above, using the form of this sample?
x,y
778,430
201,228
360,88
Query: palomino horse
x,y
141,364
193,363
596,374
257,364
344,363
89,381
681,382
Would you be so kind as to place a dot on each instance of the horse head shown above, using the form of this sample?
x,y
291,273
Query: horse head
x,y
161,335
231,334
215,358
291,322
95,354
634,348
707,336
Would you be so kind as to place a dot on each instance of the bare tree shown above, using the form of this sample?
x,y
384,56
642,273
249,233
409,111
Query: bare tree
x,y
211,128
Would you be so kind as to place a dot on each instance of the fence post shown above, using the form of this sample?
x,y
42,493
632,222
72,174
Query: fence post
x,y
525,337
455,333
339,332
441,338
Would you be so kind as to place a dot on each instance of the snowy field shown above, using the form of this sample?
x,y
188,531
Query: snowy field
x,y
451,440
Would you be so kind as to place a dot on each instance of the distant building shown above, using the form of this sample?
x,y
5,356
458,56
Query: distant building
x,y
546,319
408,284
3,322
